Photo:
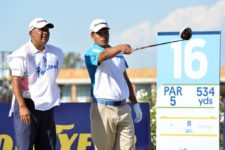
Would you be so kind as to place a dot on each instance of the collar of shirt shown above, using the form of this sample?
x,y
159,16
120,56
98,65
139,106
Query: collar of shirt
x,y
95,46
34,50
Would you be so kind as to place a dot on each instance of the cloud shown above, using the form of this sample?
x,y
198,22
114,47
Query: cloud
x,y
138,35
199,18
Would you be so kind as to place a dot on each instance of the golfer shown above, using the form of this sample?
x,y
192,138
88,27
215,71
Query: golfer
x,y
111,121
34,67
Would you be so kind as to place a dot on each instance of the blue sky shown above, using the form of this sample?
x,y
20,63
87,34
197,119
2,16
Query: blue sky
x,y
132,21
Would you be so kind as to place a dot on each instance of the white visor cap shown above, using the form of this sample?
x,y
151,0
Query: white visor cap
x,y
98,24
39,23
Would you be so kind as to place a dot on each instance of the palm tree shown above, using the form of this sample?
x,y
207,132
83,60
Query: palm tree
x,y
73,60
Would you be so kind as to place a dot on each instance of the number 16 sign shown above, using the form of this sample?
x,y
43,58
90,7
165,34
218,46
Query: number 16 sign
x,y
188,92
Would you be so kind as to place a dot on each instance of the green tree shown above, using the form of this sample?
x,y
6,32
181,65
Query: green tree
x,y
144,96
73,60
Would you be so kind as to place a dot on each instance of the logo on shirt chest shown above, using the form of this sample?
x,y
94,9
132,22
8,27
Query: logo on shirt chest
x,y
44,66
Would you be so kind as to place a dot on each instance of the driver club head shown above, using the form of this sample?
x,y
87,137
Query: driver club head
x,y
186,33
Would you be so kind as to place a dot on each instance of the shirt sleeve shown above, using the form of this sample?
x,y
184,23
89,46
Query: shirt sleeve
x,y
126,65
17,66
61,59
91,57
124,62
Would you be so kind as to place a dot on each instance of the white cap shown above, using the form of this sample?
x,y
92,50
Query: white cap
x,y
39,23
98,24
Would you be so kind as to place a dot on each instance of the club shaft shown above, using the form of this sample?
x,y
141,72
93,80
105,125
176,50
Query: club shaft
x,y
153,45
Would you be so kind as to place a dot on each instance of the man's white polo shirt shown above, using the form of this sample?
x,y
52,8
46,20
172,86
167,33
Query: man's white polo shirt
x,y
107,79
38,71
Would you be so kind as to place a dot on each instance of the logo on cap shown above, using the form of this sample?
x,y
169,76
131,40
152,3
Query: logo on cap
x,y
98,24
39,23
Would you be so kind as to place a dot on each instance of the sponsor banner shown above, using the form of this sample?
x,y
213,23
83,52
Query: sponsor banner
x,y
73,127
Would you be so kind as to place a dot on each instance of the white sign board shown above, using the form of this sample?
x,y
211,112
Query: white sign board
x,y
188,79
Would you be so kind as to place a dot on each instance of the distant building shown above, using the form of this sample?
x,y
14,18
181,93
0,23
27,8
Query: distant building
x,y
75,83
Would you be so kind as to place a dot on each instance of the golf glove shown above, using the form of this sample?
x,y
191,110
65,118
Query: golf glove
x,y
138,113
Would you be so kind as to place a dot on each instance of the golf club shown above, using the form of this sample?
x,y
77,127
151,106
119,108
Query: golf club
x,y
185,34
